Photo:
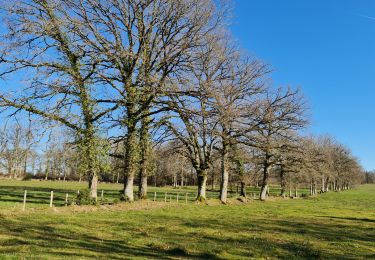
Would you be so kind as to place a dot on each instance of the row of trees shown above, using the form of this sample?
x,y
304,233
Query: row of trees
x,y
132,79
369,177
318,162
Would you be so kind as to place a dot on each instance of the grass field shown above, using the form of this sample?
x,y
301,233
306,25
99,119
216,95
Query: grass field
x,y
330,226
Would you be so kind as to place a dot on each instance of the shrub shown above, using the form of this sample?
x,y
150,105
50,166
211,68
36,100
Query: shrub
x,y
27,177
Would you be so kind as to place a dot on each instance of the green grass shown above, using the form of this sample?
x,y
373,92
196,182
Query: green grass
x,y
331,226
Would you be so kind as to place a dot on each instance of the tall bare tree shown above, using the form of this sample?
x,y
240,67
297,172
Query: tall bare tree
x,y
58,73
140,44
280,115
234,98
193,119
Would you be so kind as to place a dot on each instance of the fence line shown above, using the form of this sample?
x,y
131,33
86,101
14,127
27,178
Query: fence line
x,y
63,199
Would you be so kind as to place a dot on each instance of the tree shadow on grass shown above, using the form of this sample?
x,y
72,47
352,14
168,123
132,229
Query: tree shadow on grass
x,y
49,241
58,238
350,218
266,240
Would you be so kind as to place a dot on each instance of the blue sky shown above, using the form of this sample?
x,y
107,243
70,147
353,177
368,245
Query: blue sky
x,y
327,47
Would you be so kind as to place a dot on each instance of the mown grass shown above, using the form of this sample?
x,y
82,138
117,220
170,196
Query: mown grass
x,y
330,226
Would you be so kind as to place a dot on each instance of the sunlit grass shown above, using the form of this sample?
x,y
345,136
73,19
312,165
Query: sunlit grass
x,y
333,225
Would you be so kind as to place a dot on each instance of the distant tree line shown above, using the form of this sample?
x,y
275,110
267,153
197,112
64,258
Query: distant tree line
x,y
369,177
154,91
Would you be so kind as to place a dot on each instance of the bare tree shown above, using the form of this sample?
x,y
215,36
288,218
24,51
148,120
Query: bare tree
x,y
139,43
290,159
233,99
279,116
192,118
59,74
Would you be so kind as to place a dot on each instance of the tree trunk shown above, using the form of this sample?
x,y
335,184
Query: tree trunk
x,y
264,188
202,180
144,166
46,171
243,189
282,183
142,193
89,152
25,165
93,186
323,188
128,189
326,185
93,183
64,176
263,191
224,176
130,163
314,187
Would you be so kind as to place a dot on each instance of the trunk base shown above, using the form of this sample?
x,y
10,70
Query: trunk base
x,y
128,194
93,185
202,180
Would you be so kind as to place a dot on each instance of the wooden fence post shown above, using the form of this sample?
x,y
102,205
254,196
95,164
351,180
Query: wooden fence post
x,y
51,200
24,200
165,197
186,197
66,199
102,195
177,197
155,196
